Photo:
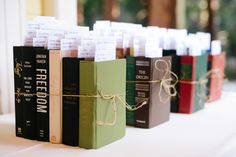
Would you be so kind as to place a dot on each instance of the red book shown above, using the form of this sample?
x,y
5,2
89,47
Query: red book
x,y
191,94
216,65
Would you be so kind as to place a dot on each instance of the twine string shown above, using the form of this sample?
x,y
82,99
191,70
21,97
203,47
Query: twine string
x,y
202,85
110,97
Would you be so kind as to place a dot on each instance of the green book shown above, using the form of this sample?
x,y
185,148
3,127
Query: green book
x,y
130,89
199,94
108,78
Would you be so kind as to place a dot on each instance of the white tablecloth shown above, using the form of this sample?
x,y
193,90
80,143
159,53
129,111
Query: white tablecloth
x,y
207,133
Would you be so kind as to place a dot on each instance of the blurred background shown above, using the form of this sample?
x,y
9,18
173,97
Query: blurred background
x,y
214,16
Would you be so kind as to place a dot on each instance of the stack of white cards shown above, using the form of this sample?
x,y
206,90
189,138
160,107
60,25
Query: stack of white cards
x,y
106,37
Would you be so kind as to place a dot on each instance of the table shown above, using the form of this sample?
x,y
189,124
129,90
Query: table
x,y
207,133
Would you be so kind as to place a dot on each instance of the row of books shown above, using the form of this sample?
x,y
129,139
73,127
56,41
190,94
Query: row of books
x,y
81,87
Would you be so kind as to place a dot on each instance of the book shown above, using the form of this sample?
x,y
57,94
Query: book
x,y
29,90
18,88
97,79
175,67
130,89
192,93
70,117
216,65
121,52
155,111
42,94
49,101
55,98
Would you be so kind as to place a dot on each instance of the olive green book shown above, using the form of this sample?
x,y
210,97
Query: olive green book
x,y
98,79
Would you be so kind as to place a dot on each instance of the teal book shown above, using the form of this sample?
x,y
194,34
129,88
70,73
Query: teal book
x,y
130,89
101,111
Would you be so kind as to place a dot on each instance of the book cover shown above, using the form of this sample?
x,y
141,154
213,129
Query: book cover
x,y
70,127
216,64
200,92
175,67
156,111
29,90
55,98
18,88
191,91
130,89
101,119
42,94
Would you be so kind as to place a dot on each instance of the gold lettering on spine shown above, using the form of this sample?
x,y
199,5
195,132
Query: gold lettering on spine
x,y
18,68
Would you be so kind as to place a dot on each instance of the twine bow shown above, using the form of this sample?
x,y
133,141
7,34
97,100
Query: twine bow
x,y
168,81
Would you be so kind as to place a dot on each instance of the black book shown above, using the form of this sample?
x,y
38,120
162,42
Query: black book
x,y
175,67
18,87
42,94
70,106
29,97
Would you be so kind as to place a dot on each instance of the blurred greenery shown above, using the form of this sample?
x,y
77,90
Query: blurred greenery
x,y
226,21
133,13
196,20
93,10
225,27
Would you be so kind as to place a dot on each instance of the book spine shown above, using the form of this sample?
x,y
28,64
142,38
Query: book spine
x,y
42,94
186,90
87,117
216,80
199,92
29,105
209,67
70,128
142,91
130,89
175,67
55,102
18,81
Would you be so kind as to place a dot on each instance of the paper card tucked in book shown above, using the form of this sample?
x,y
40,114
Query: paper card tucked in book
x,y
152,50
40,42
54,43
139,44
77,30
216,47
102,25
105,49
205,40
69,44
87,47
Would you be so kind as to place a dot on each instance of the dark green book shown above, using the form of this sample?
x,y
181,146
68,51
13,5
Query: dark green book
x,y
130,89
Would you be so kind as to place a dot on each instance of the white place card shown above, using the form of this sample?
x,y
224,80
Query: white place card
x,y
216,48
87,47
105,49
54,43
69,44
39,42
152,50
